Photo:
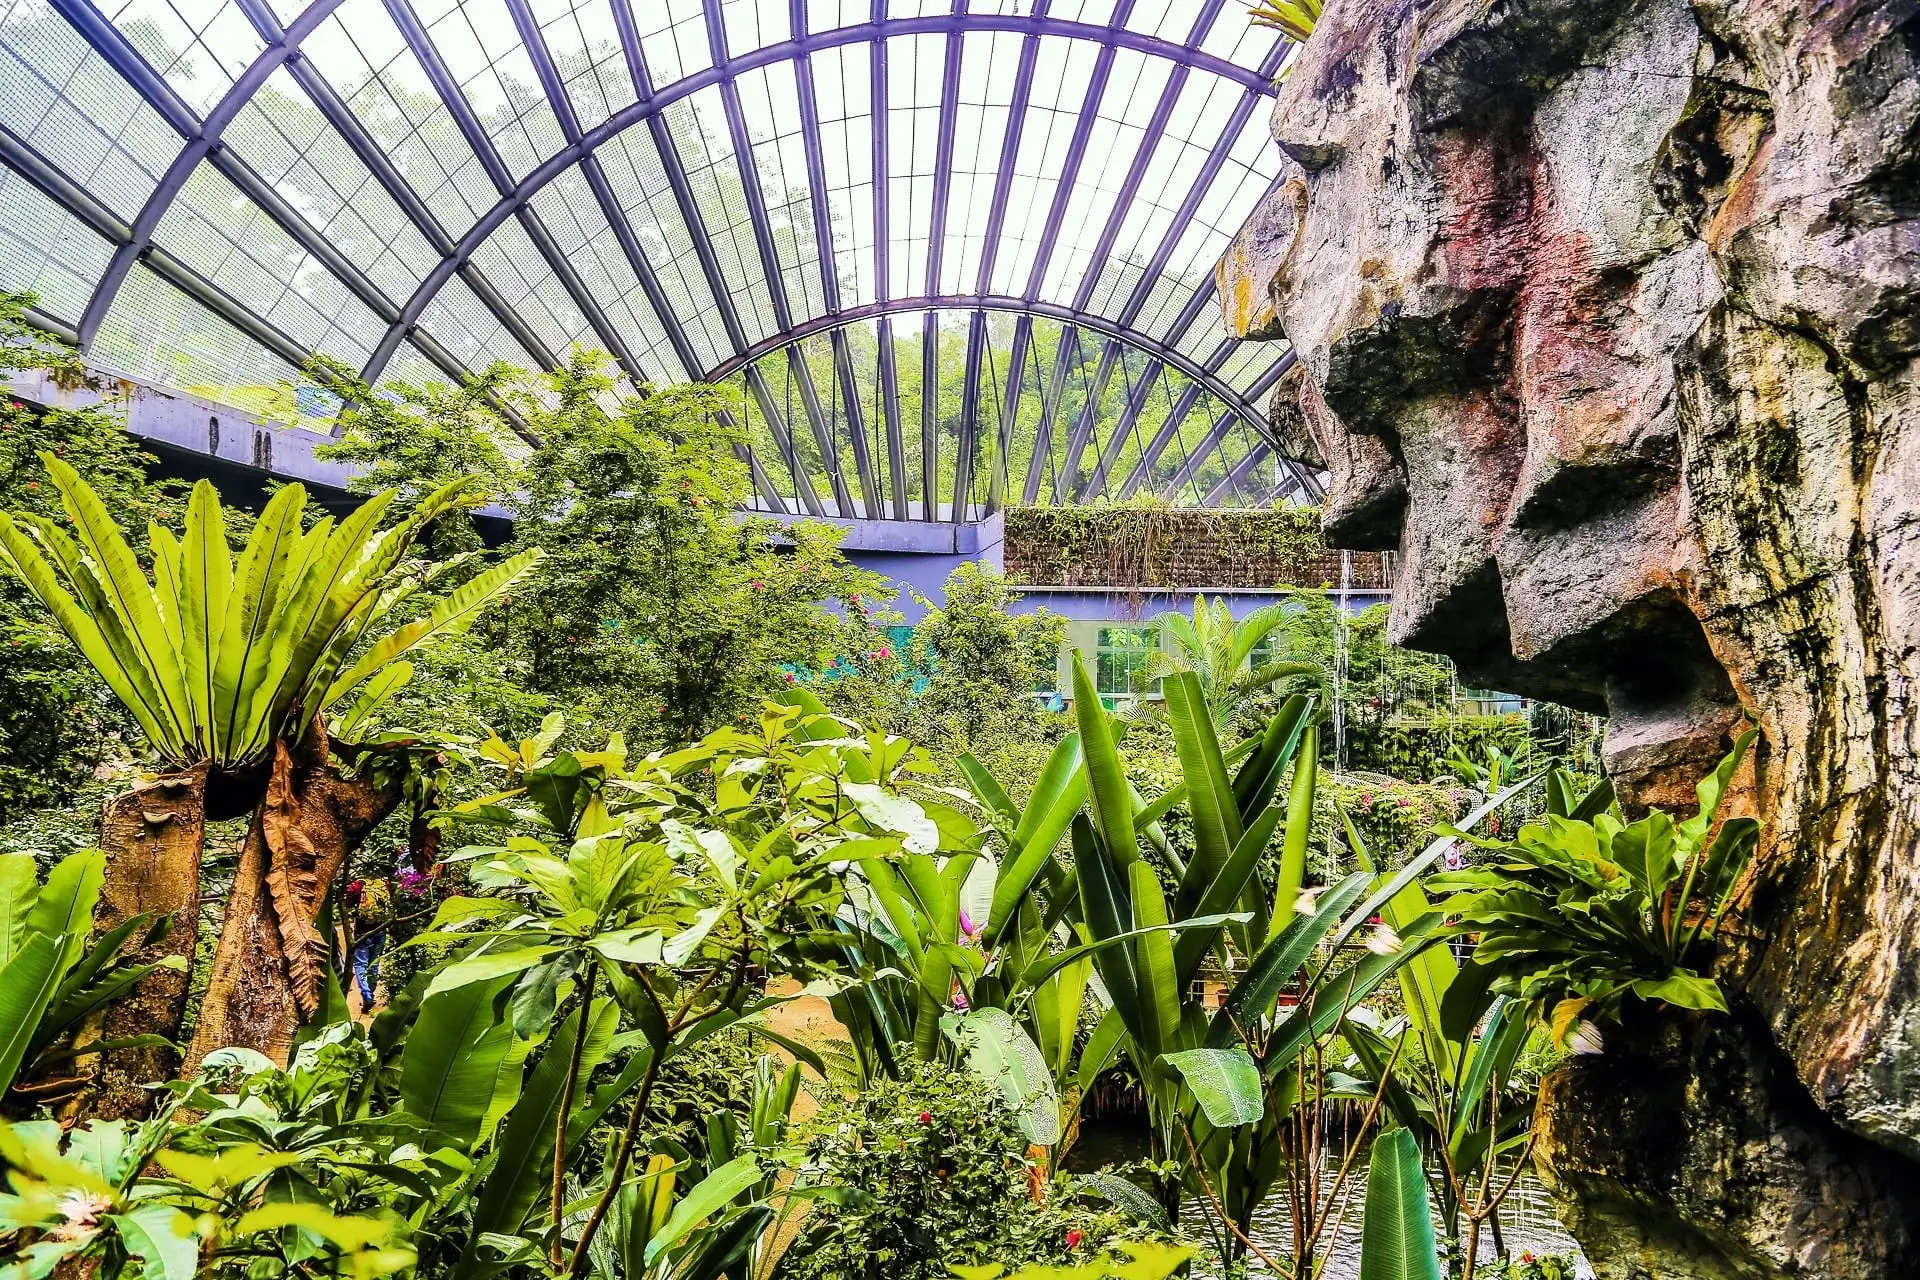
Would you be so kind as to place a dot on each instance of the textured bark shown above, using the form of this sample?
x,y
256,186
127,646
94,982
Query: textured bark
x,y
251,1000
1609,317
152,837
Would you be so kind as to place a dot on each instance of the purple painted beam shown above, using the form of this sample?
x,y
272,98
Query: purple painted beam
x,y
829,275
783,440
1076,152
1137,171
943,161
822,433
1009,153
896,441
1168,431
1010,411
1127,428
1066,482
930,416
1235,480
991,302
875,34
1202,183
544,69
198,145
1049,406
969,417
1208,443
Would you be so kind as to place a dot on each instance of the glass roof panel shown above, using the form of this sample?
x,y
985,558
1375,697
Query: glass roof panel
x,y
423,186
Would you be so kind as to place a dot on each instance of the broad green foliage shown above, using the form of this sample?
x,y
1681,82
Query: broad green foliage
x,y
1397,1239
1142,1260
1580,910
218,657
1221,652
51,979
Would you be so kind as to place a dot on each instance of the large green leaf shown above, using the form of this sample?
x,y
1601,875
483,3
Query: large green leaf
x,y
453,612
451,1063
26,985
1216,816
245,650
1225,1082
162,1238
64,909
1424,980
703,1201
1280,960
1057,796
1106,777
1293,849
19,890
1159,985
525,1161
1107,907
1002,1054
1396,1241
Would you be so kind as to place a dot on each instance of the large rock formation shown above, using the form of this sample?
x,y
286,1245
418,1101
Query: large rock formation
x,y
1607,318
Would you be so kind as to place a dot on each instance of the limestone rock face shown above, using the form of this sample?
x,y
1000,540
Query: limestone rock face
x,y
1609,321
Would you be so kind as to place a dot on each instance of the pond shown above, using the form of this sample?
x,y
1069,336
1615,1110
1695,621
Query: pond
x,y
1527,1220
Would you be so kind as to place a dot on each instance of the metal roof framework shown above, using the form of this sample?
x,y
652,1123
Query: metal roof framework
x,y
761,190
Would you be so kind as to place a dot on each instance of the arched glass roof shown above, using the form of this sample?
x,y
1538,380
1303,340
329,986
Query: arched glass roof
x,y
956,253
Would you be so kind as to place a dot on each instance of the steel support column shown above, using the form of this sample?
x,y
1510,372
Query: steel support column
x,y
1161,439
969,413
890,399
930,415
1235,479
1063,483
1125,428
1049,405
1009,414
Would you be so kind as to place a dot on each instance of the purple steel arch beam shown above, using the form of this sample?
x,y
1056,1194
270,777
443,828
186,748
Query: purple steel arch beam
x,y
1009,153
534,41
882,257
1202,183
1216,434
969,411
930,416
757,215
1235,480
1016,375
1076,152
1150,141
1102,325
1064,483
943,154
890,397
1162,438
89,22
783,441
40,171
19,156
450,93
1125,428
829,277
1049,405
649,105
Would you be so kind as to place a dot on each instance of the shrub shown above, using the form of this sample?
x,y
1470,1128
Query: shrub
x,y
938,1175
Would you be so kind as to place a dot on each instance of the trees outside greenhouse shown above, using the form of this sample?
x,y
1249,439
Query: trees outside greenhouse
x,y
668,642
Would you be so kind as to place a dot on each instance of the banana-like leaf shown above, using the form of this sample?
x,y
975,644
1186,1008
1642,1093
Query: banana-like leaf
x,y
26,986
1396,1240
1216,817
1159,983
1424,980
451,1063
19,890
1225,1082
704,1200
1280,960
1003,1055
1106,777
1293,851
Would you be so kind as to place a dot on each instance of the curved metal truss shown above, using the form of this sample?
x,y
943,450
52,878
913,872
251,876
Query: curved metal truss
x,y
206,191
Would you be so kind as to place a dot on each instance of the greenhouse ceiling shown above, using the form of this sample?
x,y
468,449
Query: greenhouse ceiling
x,y
202,192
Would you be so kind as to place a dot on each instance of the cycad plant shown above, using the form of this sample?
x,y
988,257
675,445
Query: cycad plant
x,y
1223,653
228,664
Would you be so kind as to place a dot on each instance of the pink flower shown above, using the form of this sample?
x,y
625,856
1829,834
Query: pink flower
x,y
926,1117
1074,1238
967,926
886,651
790,677
757,584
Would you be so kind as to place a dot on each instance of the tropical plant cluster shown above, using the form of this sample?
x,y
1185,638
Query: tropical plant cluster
x,y
628,784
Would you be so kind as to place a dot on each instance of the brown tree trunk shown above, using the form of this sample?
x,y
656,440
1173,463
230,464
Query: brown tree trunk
x,y
152,837
320,817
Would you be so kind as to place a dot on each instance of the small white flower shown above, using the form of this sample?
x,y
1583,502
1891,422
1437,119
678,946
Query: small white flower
x,y
1585,1038
1304,904
1383,941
